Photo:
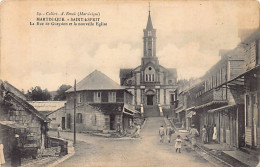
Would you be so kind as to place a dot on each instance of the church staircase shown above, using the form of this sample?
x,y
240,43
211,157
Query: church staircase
x,y
151,111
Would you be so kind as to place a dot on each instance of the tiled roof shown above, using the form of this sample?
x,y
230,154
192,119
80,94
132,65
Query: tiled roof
x,y
48,106
96,81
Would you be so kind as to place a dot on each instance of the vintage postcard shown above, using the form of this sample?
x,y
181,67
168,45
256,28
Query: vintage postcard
x,y
118,83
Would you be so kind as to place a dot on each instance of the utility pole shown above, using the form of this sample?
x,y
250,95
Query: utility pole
x,y
75,97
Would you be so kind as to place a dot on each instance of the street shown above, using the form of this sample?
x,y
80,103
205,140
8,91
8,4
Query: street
x,y
144,151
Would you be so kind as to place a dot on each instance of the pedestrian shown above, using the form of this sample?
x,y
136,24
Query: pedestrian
x,y
194,134
138,129
204,134
161,134
211,128
215,134
178,142
2,157
208,133
59,131
169,132
16,153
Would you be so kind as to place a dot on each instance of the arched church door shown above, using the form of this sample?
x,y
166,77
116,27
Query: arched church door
x,y
150,97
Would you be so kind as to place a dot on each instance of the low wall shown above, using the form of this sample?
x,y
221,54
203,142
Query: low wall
x,y
58,142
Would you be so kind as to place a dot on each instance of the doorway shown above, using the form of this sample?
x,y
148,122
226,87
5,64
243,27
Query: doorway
x,y
150,99
63,122
112,122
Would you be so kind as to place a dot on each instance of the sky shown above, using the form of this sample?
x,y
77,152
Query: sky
x,y
190,35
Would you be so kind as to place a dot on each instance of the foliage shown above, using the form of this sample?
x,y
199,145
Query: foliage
x,y
61,92
37,94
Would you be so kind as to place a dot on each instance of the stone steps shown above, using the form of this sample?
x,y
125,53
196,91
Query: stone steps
x,y
151,111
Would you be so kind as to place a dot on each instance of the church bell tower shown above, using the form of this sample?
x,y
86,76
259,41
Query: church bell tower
x,y
149,41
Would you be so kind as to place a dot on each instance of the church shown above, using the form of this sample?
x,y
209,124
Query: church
x,y
153,86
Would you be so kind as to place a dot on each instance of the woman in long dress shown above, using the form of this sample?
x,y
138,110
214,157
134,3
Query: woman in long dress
x,y
194,133
215,134
204,134
2,157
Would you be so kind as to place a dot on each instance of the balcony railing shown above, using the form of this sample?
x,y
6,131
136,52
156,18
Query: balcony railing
x,y
211,95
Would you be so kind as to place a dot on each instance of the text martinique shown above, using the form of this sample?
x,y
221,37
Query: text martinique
x,y
63,19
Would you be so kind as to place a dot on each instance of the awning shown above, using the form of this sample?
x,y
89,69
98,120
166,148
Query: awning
x,y
223,108
190,114
239,80
210,103
126,111
12,124
188,109
130,108
180,111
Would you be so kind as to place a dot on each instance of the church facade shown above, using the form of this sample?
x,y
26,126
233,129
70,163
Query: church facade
x,y
152,85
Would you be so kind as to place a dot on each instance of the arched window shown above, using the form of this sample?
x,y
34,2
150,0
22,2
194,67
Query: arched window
x,y
150,74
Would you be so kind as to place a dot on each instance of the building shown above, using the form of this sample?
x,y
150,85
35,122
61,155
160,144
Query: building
x,y
249,81
252,88
18,117
186,95
211,103
101,104
152,85
54,110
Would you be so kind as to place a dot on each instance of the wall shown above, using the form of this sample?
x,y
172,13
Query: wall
x,y
91,118
56,118
22,116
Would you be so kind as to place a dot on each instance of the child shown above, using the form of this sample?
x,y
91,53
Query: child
x,y
178,143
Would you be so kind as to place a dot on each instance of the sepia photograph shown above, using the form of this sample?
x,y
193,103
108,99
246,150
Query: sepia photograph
x,y
116,83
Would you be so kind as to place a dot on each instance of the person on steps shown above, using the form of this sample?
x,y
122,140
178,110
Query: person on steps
x,y
161,134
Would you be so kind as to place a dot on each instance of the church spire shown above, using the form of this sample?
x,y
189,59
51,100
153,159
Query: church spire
x,y
149,25
149,43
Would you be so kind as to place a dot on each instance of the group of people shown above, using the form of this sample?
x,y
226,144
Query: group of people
x,y
209,133
167,132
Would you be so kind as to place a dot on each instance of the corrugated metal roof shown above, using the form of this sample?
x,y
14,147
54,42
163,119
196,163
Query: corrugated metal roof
x,y
47,105
96,81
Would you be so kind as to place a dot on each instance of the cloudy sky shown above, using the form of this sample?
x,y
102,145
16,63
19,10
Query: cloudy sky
x,y
189,37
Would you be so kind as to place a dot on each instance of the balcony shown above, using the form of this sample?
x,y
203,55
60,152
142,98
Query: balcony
x,y
210,96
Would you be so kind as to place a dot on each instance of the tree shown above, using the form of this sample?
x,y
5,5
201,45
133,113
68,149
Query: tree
x,y
61,95
37,94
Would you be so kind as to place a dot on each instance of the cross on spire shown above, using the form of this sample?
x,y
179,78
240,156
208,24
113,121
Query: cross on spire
x,y
149,7
149,23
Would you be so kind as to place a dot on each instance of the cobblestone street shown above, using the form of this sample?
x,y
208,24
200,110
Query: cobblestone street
x,y
147,151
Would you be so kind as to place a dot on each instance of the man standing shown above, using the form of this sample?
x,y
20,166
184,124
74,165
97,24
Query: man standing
x,y
16,153
161,134
169,132
59,130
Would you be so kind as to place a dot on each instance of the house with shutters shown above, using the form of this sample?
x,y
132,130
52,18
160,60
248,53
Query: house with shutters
x,y
101,105
152,85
